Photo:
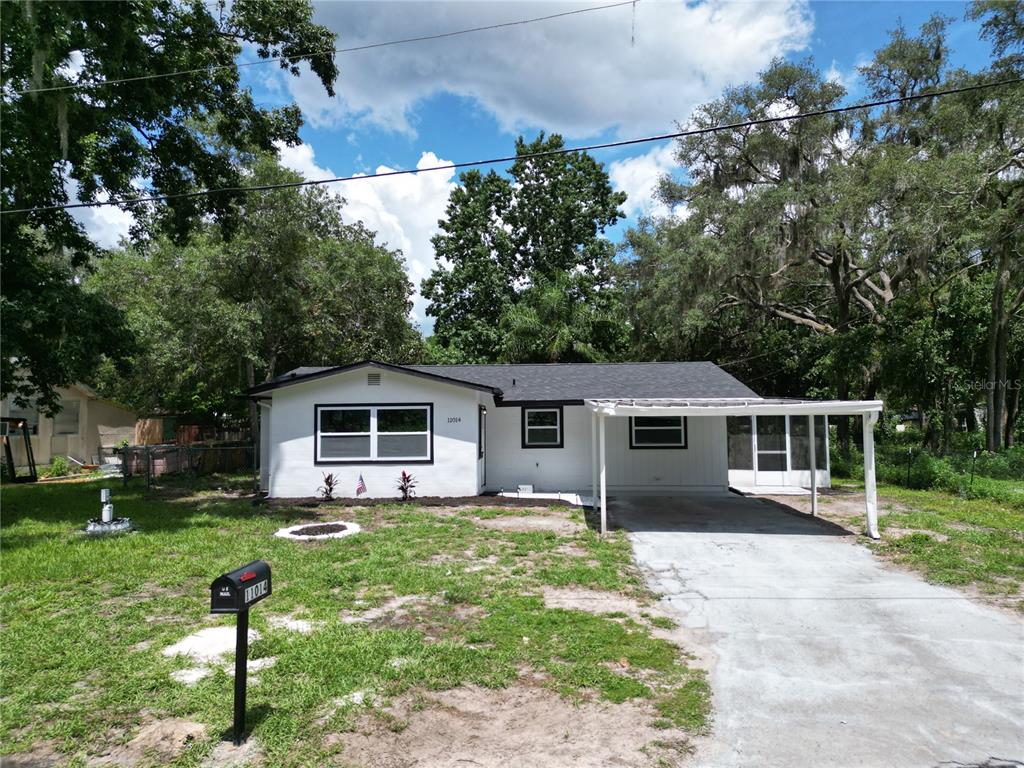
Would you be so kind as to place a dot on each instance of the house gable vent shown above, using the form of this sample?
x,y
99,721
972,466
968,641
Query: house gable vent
x,y
373,379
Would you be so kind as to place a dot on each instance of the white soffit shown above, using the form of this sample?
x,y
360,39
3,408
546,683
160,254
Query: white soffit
x,y
732,407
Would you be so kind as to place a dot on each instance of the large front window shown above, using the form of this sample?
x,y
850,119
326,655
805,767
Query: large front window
x,y
362,433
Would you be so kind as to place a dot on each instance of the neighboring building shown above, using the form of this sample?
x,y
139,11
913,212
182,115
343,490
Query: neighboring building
x,y
624,428
86,428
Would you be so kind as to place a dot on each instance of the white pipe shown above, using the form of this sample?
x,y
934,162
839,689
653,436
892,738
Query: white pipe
x,y
814,467
870,492
593,460
604,485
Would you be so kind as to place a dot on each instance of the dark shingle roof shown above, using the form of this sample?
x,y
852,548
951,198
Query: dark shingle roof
x,y
569,381
580,381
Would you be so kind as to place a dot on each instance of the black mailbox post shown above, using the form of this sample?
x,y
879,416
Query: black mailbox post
x,y
235,592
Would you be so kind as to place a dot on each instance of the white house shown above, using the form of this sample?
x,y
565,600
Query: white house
x,y
625,428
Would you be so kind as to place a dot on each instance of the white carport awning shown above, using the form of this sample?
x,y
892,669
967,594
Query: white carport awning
x,y
733,407
869,410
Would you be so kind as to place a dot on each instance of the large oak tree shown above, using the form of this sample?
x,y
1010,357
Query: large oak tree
x,y
168,135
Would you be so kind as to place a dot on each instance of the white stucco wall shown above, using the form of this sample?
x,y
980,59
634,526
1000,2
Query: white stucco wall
x,y
265,446
454,471
100,423
700,466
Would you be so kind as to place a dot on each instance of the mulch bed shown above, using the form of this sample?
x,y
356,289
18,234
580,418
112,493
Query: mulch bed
x,y
422,501
319,530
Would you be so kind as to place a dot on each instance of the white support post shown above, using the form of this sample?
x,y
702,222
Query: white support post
x,y
604,475
814,467
870,494
593,459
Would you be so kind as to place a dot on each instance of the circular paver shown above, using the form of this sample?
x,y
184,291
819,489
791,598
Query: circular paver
x,y
319,531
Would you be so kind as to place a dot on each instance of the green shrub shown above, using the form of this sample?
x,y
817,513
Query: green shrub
x,y
59,467
851,467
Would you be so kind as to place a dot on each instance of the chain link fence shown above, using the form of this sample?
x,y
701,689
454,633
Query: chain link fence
x,y
152,461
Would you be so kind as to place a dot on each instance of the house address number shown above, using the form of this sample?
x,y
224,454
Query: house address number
x,y
256,590
454,419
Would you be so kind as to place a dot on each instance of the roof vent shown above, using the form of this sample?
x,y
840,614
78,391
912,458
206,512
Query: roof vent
x,y
373,379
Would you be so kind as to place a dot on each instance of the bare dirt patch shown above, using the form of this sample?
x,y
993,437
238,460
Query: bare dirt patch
x,y
572,549
551,521
899,533
839,507
523,725
662,622
435,619
157,742
399,605
42,755
227,755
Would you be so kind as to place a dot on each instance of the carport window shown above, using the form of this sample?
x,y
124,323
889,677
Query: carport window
x,y
657,432
542,427
799,445
741,446
379,433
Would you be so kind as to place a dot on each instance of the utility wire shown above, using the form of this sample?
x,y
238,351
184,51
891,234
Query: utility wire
x,y
353,49
525,156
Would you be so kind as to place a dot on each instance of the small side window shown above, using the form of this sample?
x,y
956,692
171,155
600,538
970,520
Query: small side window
x,y
542,427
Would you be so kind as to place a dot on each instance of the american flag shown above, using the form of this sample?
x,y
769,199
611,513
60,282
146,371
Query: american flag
x,y
360,486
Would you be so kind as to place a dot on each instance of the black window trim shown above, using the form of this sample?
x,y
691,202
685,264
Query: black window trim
x,y
683,447
318,462
561,425
481,414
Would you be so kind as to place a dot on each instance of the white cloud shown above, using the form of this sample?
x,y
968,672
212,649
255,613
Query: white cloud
x,y
849,78
577,75
105,225
300,158
72,66
402,210
638,177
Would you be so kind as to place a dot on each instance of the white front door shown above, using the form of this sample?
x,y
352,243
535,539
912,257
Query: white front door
x,y
772,449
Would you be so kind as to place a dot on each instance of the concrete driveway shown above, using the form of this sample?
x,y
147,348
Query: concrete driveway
x,y
818,654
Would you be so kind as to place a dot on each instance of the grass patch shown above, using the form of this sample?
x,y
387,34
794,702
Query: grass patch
x,y
952,539
84,620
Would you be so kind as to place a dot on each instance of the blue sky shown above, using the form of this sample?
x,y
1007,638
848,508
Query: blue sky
x,y
468,97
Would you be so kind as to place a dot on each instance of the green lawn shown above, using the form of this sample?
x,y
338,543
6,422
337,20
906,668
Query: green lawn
x,y
85,620
953,540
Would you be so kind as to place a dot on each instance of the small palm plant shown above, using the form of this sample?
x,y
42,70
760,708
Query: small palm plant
x,y
326,491
406,483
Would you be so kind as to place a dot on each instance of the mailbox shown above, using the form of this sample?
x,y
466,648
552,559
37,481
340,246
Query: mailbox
x,y
236,591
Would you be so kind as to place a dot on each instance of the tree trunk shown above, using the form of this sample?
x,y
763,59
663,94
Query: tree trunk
x,y
998,330
1012,411
839,286
254,416
1015,379
947,417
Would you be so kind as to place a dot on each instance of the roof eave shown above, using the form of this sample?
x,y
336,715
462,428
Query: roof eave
x,y
260,389
741,407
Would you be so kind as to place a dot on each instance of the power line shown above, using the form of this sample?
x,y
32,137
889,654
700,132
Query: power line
x,y
525,156
353,49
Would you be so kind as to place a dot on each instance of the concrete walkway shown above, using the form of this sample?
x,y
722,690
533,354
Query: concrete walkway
x,y
818,654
